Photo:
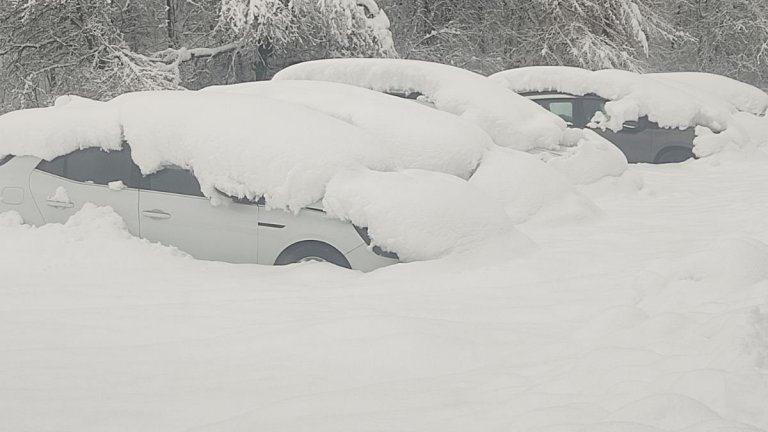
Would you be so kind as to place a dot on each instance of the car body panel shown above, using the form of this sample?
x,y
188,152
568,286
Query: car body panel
x,y
43,187
279,229
362,258
640,141
222,233
234,231
14,176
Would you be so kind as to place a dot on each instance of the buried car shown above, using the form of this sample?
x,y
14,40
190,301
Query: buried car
x,y
221,177
640,140
656,118
169,207
240,177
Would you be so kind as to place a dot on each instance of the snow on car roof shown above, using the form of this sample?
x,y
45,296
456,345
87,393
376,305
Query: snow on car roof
x,y
632,95
511,120
420,137
742,96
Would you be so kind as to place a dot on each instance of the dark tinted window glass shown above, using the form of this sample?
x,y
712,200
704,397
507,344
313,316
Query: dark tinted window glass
x,y
173,180
592,106
94,165
97,166
55,167
5,159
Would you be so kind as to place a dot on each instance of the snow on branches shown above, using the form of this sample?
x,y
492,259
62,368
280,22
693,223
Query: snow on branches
x,y
101,48
340,27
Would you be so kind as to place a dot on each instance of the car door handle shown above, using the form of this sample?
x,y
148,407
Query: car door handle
x,y
59,204
156,214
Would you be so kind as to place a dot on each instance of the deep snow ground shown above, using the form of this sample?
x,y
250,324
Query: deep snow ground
x,y
652,317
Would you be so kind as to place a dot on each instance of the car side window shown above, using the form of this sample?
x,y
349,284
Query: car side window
x,y
94,165
563,109
173,179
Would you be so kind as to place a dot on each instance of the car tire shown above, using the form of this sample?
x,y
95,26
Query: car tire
x,y
674,155
312,251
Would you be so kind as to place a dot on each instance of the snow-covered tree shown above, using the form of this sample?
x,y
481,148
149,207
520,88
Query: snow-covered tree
x,y
489,35
100,48
728,37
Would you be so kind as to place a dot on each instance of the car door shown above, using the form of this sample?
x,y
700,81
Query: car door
x,y
174,212
634,139
62,186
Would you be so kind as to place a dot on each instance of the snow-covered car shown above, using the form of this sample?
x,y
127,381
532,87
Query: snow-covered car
x,y
169,207
640,140
659,117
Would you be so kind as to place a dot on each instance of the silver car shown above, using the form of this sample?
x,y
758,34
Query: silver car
x,y
168,207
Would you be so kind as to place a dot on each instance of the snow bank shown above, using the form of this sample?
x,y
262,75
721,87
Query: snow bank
x,y
592,159
652,318
528,187
721,269
511,120
419,137
420,214
745,132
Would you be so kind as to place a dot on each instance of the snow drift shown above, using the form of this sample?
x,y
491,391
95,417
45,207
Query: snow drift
x,y
652,318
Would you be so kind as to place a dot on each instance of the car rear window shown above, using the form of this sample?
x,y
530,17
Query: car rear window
x,y
5,159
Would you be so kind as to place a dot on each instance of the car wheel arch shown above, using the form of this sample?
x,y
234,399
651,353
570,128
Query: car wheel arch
x,y
672,149
312,248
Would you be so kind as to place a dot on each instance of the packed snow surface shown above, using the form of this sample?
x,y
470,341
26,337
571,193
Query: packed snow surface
x,y
511,120
652,317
